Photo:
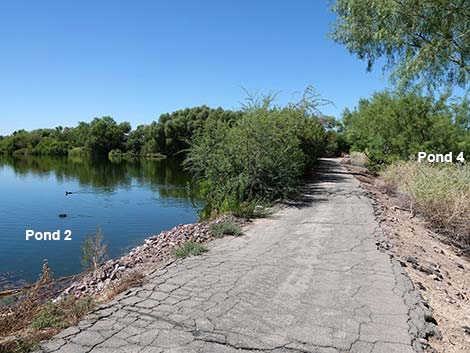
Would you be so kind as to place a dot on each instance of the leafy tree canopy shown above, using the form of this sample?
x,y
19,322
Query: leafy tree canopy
x,y
394,125
426,40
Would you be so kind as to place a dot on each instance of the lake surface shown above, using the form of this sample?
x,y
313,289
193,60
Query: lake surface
x,y
130,201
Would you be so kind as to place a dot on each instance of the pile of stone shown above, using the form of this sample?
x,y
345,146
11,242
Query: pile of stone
x,y
155,249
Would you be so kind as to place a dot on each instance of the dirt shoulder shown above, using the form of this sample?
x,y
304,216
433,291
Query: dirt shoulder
x,y
436,269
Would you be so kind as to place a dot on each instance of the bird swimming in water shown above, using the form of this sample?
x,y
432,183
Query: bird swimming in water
x,y
68,193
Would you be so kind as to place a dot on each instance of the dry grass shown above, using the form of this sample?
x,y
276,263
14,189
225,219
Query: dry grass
x,y
129,280
359,159
24,332
16,316
35,317
24,325
440,192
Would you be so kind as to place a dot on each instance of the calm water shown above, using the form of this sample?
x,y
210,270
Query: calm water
x,y
129,201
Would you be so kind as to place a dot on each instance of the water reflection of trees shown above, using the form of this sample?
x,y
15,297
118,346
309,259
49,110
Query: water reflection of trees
x,y
165,176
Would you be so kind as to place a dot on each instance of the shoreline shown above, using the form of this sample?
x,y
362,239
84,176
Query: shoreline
x,y
153,250
85,291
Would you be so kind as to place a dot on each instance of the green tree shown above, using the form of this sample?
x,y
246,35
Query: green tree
x,y
79,134
105,134
395,125
49,146
174,131
428,40
461,115
136,139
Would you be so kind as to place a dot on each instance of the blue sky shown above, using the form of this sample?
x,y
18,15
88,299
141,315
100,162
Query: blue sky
x,y
66,61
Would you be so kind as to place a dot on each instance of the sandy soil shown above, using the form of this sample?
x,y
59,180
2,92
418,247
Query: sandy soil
x,y
441,275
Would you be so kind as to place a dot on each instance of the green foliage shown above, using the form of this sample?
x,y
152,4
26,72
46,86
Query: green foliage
x,y
98,137
259,157
169,136
62,314
393,126
105,134
336,142
19,141
50,316
115,155
460,110
173,132
78,135
49,146
225,228
77,152
419,39
77,308
189,248
93,250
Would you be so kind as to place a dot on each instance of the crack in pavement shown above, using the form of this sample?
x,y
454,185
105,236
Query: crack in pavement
x,y
308,279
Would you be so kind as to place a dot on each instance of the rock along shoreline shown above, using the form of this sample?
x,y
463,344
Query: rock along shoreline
x,y
155,249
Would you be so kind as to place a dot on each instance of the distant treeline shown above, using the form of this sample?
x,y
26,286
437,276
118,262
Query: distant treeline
x,y
169,136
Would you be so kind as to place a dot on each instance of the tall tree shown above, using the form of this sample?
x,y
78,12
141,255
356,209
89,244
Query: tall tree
x,y
426,40
394,125
105,134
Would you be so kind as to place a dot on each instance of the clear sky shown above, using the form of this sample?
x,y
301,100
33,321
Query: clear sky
x,y
66,61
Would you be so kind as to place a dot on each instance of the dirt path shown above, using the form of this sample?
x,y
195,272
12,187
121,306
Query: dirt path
x,y
308,279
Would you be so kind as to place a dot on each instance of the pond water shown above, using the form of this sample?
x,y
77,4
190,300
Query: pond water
x,y
129,201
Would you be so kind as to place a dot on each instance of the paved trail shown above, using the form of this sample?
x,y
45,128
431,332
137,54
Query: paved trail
x,y
309,279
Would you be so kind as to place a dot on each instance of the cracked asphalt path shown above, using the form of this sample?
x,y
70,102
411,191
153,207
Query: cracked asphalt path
x,y
308,279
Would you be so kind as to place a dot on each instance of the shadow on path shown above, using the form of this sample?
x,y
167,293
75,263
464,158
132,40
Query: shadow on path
x,y
313,188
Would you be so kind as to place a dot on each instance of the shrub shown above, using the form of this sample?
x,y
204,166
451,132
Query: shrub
x,y
31,316
93,250
77,151
49,146
115,155
63,313
189,248
50,316
74,309
26,305
257,159
440,192
225,228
